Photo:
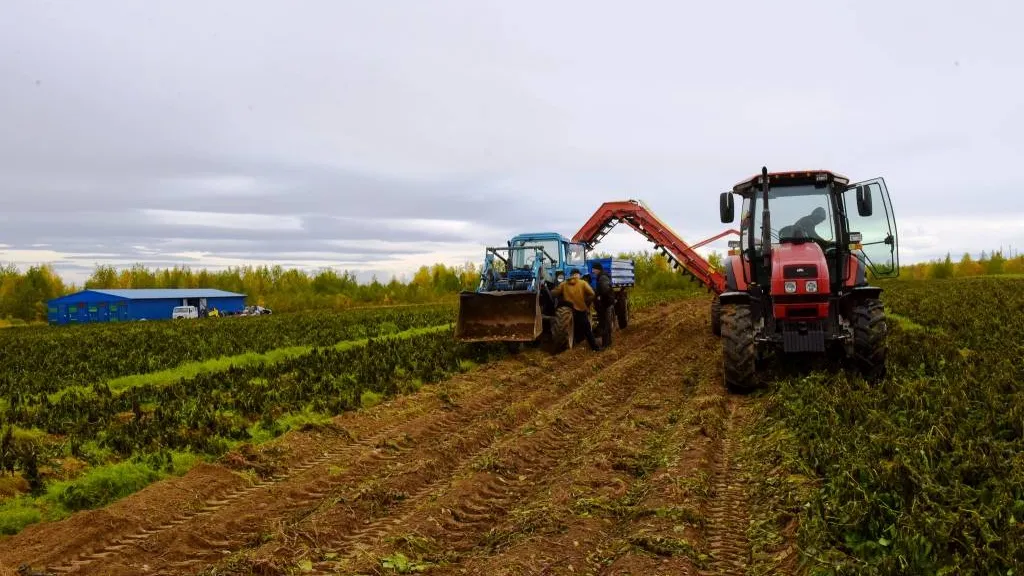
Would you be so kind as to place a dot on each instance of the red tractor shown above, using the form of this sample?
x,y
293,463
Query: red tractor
x,y
796,281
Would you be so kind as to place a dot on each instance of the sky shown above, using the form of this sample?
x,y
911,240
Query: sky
x,y
376,137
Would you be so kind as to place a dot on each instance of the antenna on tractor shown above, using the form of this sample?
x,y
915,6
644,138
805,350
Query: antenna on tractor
x,y
766,221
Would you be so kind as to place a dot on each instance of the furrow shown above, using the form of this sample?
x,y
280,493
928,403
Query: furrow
x,y
449,521
291,498
334,530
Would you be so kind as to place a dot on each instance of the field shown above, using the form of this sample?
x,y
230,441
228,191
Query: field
x,y
369,442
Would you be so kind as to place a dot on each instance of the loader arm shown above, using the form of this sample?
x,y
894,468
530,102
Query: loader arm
x,y
640,218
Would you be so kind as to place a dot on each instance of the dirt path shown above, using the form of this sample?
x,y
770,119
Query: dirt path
x,y
615,463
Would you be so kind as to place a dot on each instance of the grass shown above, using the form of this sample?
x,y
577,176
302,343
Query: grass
x,y
97,487
290,421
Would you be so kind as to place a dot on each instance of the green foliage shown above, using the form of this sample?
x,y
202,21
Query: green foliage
x,y
45,358
400,564
16,514
921,474
23,295
102,485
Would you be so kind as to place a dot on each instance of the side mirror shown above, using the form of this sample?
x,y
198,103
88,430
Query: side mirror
x,y
864,207
726,207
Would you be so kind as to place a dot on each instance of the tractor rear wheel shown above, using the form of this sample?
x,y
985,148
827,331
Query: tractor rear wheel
x,y
869,334
739,352
622,309
562,329
716,316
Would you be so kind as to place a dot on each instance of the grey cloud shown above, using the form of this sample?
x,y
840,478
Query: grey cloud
x,y
116,227
277,189
484,113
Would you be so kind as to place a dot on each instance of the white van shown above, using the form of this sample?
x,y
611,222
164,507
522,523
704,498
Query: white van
x,y
185,312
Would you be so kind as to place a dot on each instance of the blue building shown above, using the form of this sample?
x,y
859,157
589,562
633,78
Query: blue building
x,y
96,305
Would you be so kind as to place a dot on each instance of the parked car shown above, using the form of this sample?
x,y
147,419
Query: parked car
x,y
184,312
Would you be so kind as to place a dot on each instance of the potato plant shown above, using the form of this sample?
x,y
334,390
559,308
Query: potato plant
x,y
48,358
923,473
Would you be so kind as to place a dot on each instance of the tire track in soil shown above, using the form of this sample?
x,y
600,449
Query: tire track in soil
x,y
687,517
240,509
366,489
728,518
117,534
96,534
337,530
113,544
599,512
469,511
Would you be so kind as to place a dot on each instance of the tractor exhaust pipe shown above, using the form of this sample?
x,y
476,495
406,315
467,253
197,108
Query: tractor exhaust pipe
x,y
766,221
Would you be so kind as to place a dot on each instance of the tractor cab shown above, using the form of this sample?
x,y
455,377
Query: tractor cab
x,y
819,208
556,254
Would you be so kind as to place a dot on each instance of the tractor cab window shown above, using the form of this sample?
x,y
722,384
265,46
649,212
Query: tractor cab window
x,y
796,212
524,258
576,255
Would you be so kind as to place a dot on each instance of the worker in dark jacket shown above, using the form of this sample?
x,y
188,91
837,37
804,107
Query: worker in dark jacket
x,y
580,295
810,222
605,300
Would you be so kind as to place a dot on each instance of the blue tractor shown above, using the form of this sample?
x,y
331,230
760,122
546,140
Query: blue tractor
x,y
513,302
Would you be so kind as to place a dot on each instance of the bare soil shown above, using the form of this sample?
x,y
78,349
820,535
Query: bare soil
x,y
619,462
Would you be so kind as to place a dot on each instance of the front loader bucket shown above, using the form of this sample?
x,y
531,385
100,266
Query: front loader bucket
x,y
499,317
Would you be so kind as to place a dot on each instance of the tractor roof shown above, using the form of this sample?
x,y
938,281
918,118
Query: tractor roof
x,y
540,236
794,178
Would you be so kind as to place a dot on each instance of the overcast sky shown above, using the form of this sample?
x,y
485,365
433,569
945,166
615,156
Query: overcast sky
x,y
378,136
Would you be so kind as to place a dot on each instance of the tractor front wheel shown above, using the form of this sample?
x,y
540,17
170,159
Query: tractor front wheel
x,y
739,352
869,334
716,316
562,329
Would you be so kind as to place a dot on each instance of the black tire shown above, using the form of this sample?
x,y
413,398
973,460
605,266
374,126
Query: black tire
x,y
622,309
562,329
869,339
716,316
739,352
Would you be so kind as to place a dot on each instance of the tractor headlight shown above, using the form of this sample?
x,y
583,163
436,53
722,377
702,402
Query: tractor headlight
x,y
790,287
811,285
559,277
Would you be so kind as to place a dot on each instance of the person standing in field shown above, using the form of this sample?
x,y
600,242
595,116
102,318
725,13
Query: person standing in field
x,y
580,295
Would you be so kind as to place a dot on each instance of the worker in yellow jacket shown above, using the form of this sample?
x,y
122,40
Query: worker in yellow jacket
x,y
580,295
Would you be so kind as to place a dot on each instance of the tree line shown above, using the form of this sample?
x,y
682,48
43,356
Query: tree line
x,y
987,264
24,294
